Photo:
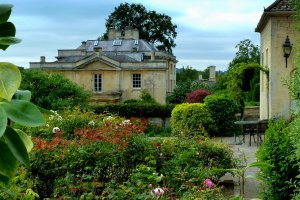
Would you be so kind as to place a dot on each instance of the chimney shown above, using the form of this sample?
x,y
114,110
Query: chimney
x,y
135,34
200,77
118,34
128,32
152,55
98,50
212,73
83,45
111,33
43,59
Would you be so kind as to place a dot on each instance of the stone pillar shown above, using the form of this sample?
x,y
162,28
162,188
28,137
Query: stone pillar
x,y
212,73
43,59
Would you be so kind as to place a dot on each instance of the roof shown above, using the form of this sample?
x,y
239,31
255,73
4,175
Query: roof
x,y
280,5
124,45
278,8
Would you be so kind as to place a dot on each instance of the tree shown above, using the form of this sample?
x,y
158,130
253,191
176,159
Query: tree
x,y
53,91
187,74
243,72
154,27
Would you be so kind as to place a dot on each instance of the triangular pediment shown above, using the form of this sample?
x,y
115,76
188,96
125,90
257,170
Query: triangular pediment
x,y
98,64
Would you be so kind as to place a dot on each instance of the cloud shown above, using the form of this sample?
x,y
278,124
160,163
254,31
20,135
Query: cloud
x,y
208,30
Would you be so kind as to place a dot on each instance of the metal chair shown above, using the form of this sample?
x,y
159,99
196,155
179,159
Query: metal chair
x,y
261,129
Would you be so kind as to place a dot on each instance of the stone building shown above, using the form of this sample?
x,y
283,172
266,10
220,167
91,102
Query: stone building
x,y
116,69
275,26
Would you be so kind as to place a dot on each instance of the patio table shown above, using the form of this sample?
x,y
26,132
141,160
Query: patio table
x,y
248,127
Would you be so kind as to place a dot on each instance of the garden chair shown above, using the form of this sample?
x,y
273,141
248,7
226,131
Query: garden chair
x,y
261,129
251,128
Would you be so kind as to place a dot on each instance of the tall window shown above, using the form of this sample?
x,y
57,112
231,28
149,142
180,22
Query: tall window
x,y
97,82
136,81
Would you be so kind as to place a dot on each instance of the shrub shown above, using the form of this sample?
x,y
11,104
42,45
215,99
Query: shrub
x,y
179,92
52,91
222,110
197,96
279,150
190,119
141,110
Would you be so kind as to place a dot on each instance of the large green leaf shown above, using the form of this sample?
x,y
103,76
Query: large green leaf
x,y
5,10
8,162
7,33
23,112
7,29
26,140
10,80
22,95
6,41
16,145
3,121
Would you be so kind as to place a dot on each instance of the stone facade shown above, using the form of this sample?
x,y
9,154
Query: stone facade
x,y
116,69
274,26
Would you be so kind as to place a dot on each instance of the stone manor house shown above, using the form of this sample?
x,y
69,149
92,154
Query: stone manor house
x,y
277,29
116,69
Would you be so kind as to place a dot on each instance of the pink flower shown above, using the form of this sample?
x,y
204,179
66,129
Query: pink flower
x,y
209,183
157,192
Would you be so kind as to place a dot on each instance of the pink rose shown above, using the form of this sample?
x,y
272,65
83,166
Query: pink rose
x,y
209,183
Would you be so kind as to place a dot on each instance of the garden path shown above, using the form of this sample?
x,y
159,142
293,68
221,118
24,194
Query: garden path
x,y
241,150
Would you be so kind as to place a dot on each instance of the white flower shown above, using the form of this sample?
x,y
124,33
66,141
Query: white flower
x,y
91,123
157,192
59,117
51,117
124,122
47,125
55,130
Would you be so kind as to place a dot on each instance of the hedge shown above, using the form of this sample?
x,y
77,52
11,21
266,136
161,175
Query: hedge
x,y
141,110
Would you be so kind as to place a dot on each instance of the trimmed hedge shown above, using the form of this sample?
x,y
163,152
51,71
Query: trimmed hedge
x,y
141,110
190,119
222,109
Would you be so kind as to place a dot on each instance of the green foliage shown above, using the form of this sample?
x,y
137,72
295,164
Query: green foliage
x,y
7,29
101,170
154,27
180,92
278,150
145,97
14,144
294,85
187,74
242,79
53,91
222,109
142,110
190,119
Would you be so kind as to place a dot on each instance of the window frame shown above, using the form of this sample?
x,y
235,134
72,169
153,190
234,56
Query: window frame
x,y
136,80
97,83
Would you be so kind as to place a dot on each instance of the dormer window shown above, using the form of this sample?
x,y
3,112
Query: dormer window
x,y
117,42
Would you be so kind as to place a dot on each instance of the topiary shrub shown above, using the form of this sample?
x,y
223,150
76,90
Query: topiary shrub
x,y
190,119
197,96
222,110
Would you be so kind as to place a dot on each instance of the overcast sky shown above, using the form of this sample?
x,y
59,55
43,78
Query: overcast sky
x,y
207,32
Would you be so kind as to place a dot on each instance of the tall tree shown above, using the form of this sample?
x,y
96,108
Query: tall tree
x,y
187,74
243,73
154,27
